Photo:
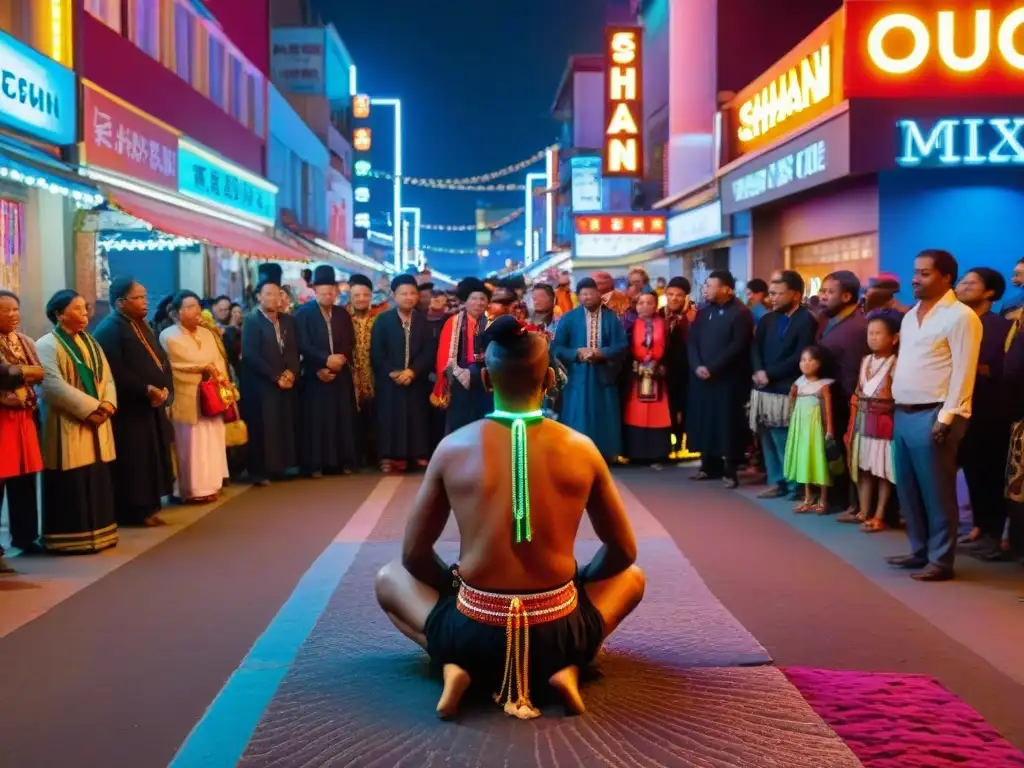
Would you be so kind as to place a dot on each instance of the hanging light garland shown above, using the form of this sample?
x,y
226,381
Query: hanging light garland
x,y
504,220
80,198
450,251
147,244
479,183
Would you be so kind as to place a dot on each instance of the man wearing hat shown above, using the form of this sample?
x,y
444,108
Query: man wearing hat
x,y
400,351
460,355
326,341
270,371
363,318
591,343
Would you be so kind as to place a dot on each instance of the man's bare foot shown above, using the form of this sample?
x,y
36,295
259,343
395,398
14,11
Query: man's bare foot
x,y
567,683
456,681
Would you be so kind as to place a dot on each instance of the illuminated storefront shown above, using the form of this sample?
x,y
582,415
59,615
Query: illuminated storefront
x,y
195,215
38,191
877,137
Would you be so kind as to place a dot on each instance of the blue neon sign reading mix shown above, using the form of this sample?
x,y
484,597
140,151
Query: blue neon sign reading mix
x,y
960,141
37,95
203,175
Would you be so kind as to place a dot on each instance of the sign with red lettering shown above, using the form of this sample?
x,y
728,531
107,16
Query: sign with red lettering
x,y
919,49
624,224
126,140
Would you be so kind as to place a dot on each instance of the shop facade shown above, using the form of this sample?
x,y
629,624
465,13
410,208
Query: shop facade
x,y
39,192
856,155
188,217
700,239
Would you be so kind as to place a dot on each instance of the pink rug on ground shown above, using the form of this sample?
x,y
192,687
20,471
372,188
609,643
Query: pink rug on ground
x,y
903,721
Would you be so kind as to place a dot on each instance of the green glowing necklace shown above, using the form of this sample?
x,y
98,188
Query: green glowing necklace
x,y
520,468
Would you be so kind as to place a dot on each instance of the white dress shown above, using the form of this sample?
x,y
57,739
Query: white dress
x,y
874,455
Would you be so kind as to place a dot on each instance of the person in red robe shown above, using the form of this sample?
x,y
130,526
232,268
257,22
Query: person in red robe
x,y
20,459
647,418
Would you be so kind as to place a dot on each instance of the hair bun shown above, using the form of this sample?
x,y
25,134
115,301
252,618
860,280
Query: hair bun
x,y
506,331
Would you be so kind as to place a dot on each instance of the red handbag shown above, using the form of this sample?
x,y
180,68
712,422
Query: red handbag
x,y
212,400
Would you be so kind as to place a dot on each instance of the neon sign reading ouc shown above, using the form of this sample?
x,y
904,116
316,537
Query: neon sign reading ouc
x,y
945,35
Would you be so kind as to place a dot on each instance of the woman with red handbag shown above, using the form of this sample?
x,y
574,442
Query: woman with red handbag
x,y
203,396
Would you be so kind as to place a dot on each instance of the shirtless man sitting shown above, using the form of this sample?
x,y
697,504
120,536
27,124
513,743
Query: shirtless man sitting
x,y
516,611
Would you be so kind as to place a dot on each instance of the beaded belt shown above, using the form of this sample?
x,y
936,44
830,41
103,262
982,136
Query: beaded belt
x,y
516,612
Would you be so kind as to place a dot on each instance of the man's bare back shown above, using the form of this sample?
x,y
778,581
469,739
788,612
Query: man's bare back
x,y
473,466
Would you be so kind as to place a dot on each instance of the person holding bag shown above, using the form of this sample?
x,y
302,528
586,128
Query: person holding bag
x,y
203,396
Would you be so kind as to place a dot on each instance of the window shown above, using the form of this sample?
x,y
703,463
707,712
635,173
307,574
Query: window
x,y
144,25
238,77
107,11
258,109
217,73
184,43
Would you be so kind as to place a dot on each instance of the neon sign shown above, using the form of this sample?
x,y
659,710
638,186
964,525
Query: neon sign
x,y
623,142
961,141
361,140
621,225
923,52
803,86
360,107
361,194
363,167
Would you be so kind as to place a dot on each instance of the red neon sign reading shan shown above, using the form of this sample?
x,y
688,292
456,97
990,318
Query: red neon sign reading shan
x,y
919,49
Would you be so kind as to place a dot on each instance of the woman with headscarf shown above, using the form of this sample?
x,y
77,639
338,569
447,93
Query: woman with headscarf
x,y
198,439
647,418
78,440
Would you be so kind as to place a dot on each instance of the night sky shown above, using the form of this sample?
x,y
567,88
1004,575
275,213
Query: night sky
x,y
477,79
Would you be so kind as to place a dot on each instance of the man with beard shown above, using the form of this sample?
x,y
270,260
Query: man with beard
x,y
400,351
940,341
844,336
143,471
719,357
459,389
326,340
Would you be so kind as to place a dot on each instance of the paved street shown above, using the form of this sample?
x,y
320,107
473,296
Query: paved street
x,y
247,634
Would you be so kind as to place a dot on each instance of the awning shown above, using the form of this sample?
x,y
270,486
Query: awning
x,y
31,166
185,223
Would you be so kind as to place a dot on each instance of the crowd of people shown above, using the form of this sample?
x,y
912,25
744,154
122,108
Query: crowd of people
x,y
838,399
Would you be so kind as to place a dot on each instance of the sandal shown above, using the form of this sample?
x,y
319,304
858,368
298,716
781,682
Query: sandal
x,y
803,508
701,476
874,525
850,517
819,509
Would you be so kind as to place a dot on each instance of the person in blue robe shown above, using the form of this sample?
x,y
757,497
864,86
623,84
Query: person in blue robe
x,y
592,345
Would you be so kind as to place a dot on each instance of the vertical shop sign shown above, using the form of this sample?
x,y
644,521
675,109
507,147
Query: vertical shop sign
x,y
623,90
123,139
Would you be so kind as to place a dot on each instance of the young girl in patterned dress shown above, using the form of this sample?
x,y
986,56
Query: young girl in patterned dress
x,y
810,427
869,435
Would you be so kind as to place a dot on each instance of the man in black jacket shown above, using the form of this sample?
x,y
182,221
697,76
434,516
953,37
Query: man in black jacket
x,y
780,338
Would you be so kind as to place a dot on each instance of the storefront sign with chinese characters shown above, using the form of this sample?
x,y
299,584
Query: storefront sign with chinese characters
x,y
803,85
621,224
297,59
206,176
623,92
819,156
921,49
966,141
123,139
37,95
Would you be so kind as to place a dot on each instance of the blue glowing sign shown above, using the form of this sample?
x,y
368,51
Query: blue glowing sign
x,y
37,95
960,141
205,176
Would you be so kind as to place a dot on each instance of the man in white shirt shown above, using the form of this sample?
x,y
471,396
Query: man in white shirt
x,y
934,381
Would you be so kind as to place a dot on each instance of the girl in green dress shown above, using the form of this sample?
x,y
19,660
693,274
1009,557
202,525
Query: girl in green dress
x,y
810,428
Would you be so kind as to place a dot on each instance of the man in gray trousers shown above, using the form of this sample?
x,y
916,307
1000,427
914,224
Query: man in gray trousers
x,y
940,339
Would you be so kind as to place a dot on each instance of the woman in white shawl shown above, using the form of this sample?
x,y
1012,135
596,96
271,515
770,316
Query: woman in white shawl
x,y
198,439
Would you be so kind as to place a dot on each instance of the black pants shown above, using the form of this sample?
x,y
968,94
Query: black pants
x,y
23,507
366,437
1016,512
717,466
983,459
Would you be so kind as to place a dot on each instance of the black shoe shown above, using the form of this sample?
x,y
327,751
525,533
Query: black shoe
x,y
933,573
906,561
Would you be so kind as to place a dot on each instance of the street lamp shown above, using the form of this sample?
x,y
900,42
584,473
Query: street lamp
x,y
415,260
396,219
549,201
530,254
